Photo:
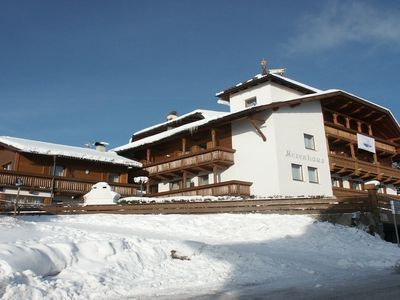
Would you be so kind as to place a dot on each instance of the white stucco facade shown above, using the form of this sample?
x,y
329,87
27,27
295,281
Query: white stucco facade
x,y
269,164
265,93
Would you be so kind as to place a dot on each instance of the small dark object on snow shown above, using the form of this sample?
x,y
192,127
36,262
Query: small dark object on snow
x,y
174,255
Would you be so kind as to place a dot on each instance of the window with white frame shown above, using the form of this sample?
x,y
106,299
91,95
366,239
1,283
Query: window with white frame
x,y
312,175
251,102
203,179
309,141
297,172
59,170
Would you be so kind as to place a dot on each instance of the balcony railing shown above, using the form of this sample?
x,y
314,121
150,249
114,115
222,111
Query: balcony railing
x,y
363,168
351,136
233,188
206,157
61,184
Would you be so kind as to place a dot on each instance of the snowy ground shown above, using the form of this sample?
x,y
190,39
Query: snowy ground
x,y
128,256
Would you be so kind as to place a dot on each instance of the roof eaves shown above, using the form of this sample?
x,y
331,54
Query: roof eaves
x,y
258,79
226,118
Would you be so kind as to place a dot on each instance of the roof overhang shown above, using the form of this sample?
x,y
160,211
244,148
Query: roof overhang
x,y
260,79
316,96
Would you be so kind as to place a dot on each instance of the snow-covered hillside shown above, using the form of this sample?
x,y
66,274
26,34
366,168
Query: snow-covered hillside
x,y
128,256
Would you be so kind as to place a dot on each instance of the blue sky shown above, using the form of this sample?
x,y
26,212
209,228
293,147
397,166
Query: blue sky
x,y
78,71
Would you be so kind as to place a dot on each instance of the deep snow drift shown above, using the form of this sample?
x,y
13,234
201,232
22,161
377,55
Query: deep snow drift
x,y
128,256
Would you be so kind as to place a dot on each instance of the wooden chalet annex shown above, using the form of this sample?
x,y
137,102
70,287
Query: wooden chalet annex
x,y
52,172
280,138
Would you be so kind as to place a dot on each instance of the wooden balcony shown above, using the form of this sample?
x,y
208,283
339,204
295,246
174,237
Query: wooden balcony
x,y
193,161
232,188
61,185
364,170
350,136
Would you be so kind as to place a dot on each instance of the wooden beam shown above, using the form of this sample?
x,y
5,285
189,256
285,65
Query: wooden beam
x,y
367,175
213,138
184,177
188,172
202,168
353,152
394,140
347,122
148,154
183,145
345,105
370,114
380,118
357,110
16,161
215,173
389,179
342,170
252,122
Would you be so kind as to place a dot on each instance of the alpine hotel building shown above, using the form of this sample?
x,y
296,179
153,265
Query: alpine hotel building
x,y
281,138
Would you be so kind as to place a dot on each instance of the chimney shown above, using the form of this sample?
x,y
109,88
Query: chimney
x,y
101,146
172,115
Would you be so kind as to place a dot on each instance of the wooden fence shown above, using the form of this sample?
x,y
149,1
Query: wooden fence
x,y
279,206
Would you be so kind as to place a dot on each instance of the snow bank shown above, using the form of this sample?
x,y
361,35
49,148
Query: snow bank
x,y
128,256
135,199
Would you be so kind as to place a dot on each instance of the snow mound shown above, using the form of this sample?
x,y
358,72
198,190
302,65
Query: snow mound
x,y
101,193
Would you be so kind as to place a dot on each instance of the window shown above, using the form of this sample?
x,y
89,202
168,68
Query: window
x,y
309,141
297,172
251,102
174,185
382,190
7,166
203,180
312,174
59,170
189,183
154,188
113,177
337,182
356,185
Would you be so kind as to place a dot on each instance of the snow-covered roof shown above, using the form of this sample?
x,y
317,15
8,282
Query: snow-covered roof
x,y
44,148
260,78
308,87
210,116
204,113
318,95
190,126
